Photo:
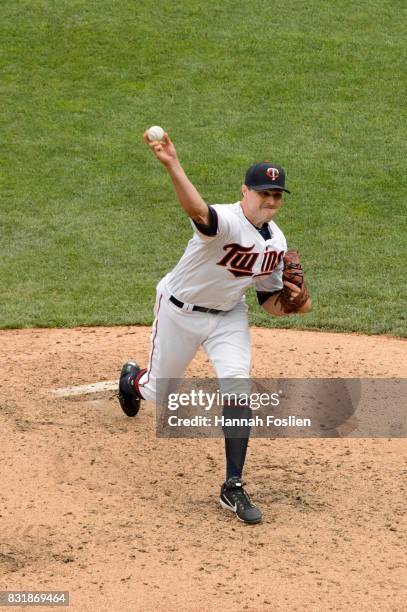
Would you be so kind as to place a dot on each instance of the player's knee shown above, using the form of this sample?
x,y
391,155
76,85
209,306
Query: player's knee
x,y
236,372
235,383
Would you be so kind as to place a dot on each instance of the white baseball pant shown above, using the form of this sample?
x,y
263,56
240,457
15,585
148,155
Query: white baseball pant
x,y
177,334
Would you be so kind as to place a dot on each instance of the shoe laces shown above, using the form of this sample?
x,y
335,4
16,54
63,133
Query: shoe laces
x,y
235,487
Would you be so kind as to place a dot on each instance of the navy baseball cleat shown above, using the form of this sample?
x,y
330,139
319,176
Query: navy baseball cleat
x,y
233,497
128,398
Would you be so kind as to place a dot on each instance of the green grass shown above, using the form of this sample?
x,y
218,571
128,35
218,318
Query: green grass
x,y
89,221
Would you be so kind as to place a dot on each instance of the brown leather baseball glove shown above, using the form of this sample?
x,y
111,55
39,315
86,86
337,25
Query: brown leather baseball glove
x,y
293,273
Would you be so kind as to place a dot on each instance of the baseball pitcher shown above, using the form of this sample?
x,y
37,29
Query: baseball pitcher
x,y
201,301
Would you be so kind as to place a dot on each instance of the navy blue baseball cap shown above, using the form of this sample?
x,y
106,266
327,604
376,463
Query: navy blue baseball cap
x,y
265,175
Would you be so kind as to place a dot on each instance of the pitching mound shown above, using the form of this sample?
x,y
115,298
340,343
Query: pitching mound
x,y
91,502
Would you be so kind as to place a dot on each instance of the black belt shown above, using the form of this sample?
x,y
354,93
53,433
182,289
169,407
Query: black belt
x,y
196,308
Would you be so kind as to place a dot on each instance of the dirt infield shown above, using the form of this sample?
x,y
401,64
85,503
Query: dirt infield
x,y
93,503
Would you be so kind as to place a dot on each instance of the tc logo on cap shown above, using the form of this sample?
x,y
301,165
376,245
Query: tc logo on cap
x,y
273,173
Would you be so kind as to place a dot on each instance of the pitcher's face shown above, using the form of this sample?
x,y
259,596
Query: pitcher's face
x,y
261,206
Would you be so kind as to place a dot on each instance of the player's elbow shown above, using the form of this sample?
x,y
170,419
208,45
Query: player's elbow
x,y
272,309
200,217
307,307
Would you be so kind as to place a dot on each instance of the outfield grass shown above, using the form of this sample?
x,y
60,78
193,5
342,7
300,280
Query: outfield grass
x,y
89,221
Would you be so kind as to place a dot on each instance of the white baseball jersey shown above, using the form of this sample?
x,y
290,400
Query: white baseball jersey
x,y
215,271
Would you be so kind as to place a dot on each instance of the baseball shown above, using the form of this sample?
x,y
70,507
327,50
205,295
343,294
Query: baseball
x,y
155,133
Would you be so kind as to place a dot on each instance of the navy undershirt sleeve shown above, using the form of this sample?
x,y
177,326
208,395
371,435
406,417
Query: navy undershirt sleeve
x,y
212,228
263,296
